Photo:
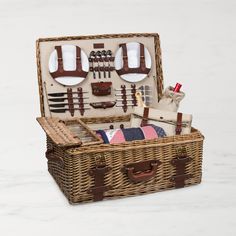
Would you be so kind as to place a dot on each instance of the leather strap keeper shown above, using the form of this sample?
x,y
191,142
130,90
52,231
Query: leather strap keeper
x,y
180,163
99,178
145,116
178,124
70,101
142,69
60,72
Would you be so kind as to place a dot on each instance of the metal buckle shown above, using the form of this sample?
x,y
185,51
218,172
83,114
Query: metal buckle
x,y
100,160
181,151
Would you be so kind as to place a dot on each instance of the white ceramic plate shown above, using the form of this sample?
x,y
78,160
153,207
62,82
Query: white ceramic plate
x,y
133,51
69,64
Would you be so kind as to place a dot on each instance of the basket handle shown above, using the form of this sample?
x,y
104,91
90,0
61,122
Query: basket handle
x,y
141,171
52,157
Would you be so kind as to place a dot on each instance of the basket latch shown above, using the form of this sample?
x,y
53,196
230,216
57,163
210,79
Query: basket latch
x,y
180,162
99,176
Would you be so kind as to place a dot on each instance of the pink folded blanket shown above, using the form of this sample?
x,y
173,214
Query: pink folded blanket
x,y
122,135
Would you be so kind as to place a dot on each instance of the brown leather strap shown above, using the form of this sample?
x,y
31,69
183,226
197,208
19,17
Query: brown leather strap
x,y
99,182
142,69
68,73
133,70
180,163
59,59
124,98
133,91
125,57
142,58
70,101
81,100
178,124
78,59
145,116
60,72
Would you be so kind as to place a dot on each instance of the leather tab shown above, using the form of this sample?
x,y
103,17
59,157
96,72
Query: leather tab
x,y
133,91
125,57
78,59
142,58
145,116
98,45
124,97
180,162
59,59
178,124
70,101
99,178
81,100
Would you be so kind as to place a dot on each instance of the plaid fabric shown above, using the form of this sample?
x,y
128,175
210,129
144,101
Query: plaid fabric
x,y
121,135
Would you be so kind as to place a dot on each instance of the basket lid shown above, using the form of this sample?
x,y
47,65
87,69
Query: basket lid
x,y
90,76
68,133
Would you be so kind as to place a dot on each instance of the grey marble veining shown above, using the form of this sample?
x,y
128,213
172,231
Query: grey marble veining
x,y
198,50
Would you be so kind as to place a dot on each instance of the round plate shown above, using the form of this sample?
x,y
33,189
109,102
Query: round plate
x,y
69,64
133,51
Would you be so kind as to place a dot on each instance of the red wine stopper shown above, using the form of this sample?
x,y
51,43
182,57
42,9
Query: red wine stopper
x,y
177,87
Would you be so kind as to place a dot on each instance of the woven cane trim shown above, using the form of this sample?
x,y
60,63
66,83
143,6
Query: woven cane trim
x,y
58,132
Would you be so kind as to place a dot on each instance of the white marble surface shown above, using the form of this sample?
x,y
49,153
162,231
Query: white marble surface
x,y
198,40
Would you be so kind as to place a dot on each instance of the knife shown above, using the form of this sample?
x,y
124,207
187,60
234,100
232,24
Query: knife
x,y
129,105
61,94
66,104
129,94
63,99
64,110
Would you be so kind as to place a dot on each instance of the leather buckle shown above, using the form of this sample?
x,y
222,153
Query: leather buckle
x,y
180,162
100,161
178,130
99,178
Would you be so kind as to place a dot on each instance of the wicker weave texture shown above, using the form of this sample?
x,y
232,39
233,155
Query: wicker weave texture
x,y
74,181
58,131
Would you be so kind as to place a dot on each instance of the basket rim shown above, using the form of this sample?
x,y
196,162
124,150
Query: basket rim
x,y
194,136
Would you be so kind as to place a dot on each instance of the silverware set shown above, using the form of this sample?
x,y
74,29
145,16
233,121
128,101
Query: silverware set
x,y
66,101
101,63
127,96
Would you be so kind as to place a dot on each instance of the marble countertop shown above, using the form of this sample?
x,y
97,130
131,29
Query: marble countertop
x,y
198,49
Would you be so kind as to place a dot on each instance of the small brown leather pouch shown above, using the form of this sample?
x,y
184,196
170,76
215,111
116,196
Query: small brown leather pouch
x,y
101,88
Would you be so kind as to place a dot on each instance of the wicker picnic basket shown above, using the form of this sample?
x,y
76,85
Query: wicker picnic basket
x,y
95,171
